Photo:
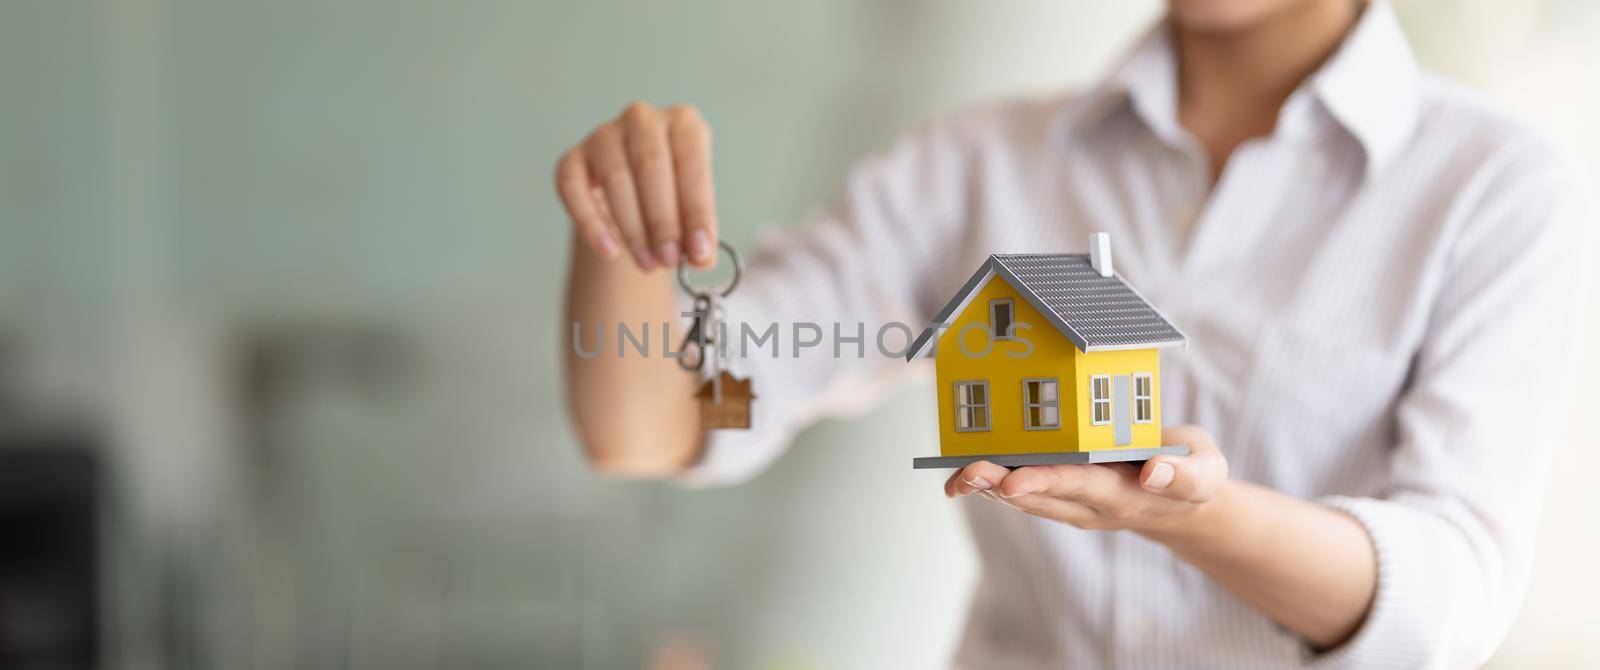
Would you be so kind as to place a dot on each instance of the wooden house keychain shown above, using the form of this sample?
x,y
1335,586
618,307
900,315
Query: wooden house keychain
x,y
724,398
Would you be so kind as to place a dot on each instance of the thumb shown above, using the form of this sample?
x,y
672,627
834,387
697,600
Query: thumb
x,y
1192,478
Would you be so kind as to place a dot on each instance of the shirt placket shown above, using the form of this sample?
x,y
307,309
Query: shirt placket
x,y
1240,203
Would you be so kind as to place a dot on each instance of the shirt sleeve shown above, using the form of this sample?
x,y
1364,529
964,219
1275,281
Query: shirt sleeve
x,y
1477,425
813,323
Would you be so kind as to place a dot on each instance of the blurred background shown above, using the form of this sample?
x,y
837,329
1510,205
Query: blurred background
x,y
279,289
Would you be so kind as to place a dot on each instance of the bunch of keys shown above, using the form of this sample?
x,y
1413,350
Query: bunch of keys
x,y
724,398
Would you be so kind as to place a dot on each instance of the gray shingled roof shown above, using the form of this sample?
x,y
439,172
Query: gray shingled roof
x,y
1096,313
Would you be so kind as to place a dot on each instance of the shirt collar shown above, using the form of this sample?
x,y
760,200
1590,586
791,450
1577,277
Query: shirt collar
x,y
1369,87
1144,79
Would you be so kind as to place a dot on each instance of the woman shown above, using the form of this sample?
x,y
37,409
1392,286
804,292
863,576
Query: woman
x,y
1374,269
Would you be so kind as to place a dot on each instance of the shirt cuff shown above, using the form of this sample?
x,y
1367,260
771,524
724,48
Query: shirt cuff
x,y
1402,628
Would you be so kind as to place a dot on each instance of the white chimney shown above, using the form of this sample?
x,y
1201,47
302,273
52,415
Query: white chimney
x,y
1100,254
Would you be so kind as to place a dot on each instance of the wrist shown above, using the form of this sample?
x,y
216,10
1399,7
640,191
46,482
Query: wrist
x,y
1204,522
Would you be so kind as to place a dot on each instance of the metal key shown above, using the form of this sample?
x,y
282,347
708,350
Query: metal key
x,y
724,398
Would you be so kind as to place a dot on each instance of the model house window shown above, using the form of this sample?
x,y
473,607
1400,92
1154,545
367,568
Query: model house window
x,y
1099,400
1001,315
972,406
1143,394
1041,406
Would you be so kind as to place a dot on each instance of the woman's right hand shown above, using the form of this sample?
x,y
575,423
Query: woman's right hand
x,y
642,182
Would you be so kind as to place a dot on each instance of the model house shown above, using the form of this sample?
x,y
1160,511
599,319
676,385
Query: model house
x,y
1048,358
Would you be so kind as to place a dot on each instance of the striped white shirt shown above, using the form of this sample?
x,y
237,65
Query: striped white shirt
x,y
1380,300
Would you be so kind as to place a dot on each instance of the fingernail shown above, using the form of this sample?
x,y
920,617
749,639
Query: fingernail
x,y
978,483
645,260
700,247
606,245
668,253
1160,476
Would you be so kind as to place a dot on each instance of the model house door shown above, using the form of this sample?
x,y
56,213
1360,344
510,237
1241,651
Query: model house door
x,y
1122,410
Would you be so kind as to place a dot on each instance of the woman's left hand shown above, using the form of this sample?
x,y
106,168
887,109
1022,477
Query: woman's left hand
x,y
1161,495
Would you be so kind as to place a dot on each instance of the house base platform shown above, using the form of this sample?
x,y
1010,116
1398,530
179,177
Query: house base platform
x,y
1051,458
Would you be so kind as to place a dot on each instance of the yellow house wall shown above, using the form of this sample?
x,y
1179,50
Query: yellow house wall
x,y
1052,355
1117,363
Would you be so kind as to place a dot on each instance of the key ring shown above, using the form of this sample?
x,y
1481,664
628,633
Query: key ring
x,y
738,271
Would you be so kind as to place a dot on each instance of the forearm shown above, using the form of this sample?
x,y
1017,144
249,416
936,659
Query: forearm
x,y
1308,567
634,414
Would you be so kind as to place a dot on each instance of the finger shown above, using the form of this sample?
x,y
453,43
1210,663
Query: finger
x,y
1091,484
1199,440
608,166
572,183
644,132
1065,511
954,480
690,138
1186,478
1192,478
979,476
597,196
